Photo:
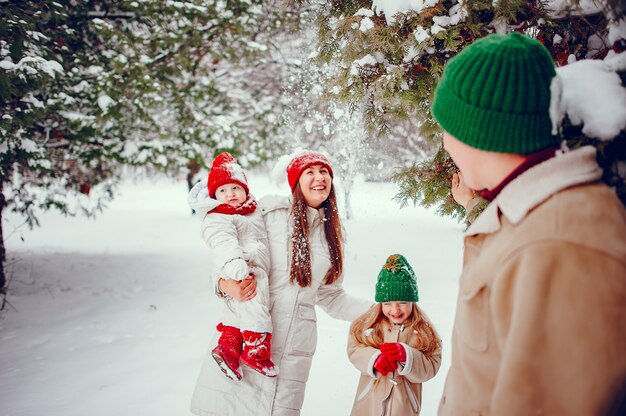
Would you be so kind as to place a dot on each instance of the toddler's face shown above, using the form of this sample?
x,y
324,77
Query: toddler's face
x,y
397,312
232,194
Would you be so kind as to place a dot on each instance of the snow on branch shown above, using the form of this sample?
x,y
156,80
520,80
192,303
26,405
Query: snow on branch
x,y
591,94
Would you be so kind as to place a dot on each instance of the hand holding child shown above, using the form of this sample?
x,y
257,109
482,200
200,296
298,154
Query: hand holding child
x,y
240,290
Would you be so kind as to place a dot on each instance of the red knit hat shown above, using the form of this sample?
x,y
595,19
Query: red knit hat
x,y
225,170
305,160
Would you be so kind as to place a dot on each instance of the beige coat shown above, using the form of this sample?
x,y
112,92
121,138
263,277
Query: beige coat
x,y
399,393
540,326
294,318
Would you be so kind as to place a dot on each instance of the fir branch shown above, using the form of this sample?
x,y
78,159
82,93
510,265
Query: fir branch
x,y
428,184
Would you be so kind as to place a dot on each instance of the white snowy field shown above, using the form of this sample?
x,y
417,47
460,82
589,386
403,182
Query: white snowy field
x,y
112,316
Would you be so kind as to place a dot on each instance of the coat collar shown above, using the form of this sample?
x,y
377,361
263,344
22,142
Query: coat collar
x,y
537,184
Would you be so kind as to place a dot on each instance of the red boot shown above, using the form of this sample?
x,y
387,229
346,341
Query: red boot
x,y
228,351
256,353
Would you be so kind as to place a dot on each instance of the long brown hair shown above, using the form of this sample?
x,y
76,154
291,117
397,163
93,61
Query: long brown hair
x,y
427,340
300,252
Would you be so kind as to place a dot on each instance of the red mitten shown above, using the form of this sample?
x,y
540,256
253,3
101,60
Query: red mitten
x,y
383,365
393,351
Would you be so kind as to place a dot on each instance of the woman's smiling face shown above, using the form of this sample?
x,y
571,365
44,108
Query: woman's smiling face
x,y
315,182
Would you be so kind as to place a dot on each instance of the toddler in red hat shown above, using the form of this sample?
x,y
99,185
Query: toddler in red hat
x,y
235,233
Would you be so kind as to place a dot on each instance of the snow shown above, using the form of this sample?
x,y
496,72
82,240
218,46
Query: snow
x,y
29,146
113,316
235,172
595,44
393,7
434,29
32,66
615,61
362,62
7,64
104,102
75,116
30,98
560,8
617,31
364,12
421,34
600,106
411,53
366,24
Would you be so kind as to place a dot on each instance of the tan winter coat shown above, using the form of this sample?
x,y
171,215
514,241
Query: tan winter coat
x,y
395,394
295,327
540,327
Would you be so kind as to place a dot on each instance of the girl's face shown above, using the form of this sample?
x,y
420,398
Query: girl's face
x,y
232,194
397,312
315,182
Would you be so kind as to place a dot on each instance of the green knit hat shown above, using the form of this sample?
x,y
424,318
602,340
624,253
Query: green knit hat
x,y
495,95
396,281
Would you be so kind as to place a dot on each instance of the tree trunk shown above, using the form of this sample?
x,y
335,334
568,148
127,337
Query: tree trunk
x,y
2,249
347,189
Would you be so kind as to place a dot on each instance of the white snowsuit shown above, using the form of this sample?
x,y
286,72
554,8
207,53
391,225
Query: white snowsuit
x,y
238,245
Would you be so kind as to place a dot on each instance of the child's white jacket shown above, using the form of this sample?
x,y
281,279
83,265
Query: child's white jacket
x,y
397,393
230,237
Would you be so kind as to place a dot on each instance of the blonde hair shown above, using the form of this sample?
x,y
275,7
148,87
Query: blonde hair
x,y
425,338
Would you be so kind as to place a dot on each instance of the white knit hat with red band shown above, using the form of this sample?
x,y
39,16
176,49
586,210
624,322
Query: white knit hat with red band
x,y
303,161
225,170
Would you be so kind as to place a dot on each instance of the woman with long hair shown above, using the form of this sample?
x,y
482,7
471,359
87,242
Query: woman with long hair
x,y
306,264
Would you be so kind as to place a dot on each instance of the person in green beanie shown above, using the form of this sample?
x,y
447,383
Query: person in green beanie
x,y
540,318
393,345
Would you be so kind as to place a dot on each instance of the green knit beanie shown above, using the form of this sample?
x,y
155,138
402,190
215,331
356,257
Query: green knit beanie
x,y
495,95
396,281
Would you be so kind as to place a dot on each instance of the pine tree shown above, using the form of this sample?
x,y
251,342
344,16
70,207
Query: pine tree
x,y
388,67
312,121
88,87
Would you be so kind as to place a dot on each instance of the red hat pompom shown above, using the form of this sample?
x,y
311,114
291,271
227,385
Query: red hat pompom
x,y
303,161
225,169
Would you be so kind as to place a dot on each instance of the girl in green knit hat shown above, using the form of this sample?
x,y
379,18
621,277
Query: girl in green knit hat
x,y
393,345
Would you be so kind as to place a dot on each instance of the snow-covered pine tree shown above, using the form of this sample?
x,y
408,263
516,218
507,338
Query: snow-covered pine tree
x,y
314,122
88,87
390,55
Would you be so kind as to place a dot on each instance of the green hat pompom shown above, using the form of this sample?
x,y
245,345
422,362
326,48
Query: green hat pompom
x,y
396,281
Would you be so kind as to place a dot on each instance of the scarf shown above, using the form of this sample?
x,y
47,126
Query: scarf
x,y
248,207
532,160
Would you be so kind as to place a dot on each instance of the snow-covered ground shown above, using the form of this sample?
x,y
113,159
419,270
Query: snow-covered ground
x,y
112,316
